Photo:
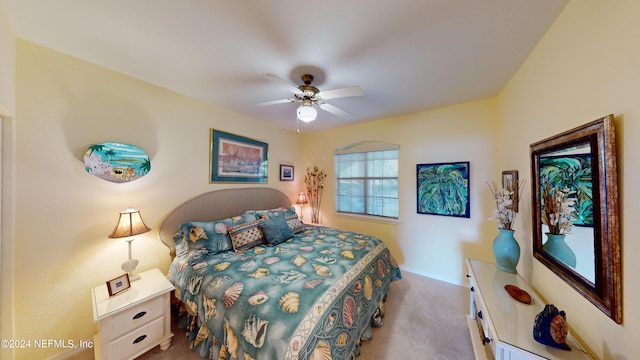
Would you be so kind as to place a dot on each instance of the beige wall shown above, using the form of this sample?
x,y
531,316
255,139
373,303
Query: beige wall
x,y
7,64
430,245
64,215
587,66
7,109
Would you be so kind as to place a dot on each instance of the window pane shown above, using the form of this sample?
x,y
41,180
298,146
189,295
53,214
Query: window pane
x,y
390,188
374,168
351,196
382,197
390,168
350,165
367,183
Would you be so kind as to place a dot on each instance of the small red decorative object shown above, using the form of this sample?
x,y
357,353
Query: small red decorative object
x,y
518,294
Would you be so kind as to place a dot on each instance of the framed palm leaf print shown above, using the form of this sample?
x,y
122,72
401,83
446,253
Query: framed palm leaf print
x,y
443,189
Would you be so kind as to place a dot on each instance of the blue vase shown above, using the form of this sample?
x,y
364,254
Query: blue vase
x,y
558,248
506,251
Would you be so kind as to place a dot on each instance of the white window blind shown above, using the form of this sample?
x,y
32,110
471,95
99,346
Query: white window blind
x,y
367,179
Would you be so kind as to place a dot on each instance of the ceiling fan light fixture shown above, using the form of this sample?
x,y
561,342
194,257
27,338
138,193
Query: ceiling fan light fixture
x,y
306,112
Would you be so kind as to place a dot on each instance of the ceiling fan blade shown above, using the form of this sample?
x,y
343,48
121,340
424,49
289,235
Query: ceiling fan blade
x,y
336,111
291,87
275,102
342,92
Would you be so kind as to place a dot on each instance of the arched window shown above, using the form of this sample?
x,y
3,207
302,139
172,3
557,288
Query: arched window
x,y
367,178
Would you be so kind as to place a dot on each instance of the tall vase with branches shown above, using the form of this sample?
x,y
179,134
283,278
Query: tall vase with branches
x,y
314,182
506,249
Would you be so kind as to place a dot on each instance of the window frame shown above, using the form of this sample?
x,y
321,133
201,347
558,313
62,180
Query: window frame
x,y
367,147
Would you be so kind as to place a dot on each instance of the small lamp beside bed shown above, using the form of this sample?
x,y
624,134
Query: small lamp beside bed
x,y
302,200
129,224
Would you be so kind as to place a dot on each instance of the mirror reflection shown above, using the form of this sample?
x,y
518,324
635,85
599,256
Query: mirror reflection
x,y
567,172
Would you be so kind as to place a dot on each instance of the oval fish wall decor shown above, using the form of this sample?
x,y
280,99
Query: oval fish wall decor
x,y
116,162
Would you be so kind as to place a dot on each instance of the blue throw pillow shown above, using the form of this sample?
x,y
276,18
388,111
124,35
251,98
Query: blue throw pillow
x,y
289,214
276,230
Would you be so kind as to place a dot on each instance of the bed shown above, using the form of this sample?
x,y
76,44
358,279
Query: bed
x,y
257,283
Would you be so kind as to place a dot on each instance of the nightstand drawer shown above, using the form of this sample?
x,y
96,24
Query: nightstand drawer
x,y
137,340
136,317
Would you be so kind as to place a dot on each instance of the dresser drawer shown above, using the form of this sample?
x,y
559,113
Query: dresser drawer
x,y
482,317
136,317
138,340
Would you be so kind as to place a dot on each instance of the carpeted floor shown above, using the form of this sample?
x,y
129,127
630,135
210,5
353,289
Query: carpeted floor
x,y
425,319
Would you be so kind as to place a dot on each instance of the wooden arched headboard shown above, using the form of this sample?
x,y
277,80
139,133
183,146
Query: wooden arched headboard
x,y
219,204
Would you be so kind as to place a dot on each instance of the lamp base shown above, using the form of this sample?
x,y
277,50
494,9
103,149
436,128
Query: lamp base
x,y
129,266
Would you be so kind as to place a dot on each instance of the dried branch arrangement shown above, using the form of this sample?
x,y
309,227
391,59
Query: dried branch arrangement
x,y
314,182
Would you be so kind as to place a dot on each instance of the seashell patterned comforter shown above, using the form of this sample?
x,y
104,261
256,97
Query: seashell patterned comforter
x,y
308,298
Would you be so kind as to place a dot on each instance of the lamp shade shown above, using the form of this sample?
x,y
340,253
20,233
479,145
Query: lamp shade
x,y
302,199
307,113
129,224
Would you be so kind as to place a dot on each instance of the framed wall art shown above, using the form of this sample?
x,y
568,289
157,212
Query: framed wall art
x,y
286,173
510,182
443,189
235,158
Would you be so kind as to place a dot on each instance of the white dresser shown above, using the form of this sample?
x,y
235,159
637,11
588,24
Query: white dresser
x,y
134,321
506,325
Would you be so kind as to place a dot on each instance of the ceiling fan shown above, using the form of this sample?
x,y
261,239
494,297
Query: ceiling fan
x,y
309,95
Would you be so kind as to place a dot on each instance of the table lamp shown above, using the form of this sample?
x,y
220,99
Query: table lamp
x,y
129,224
302,199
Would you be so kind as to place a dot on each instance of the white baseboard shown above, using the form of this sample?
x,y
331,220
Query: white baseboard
x,y
422,273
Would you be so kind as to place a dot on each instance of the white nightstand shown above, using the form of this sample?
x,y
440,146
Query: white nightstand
x,y
134,321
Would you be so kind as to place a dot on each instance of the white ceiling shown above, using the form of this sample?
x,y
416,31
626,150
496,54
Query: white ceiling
x,y
406,55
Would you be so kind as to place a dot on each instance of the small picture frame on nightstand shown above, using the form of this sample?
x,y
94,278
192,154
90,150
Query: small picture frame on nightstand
x,y
118,285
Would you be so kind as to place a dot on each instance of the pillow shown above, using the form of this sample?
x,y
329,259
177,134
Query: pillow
x,y
267,214
212,236
180,243
290,216
248,216
276,230
295,224
247,235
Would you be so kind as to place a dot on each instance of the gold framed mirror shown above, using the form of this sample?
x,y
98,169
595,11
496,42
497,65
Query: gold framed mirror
x,y
579,166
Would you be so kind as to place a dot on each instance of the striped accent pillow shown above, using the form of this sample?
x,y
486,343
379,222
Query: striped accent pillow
x,y
246,236
294,223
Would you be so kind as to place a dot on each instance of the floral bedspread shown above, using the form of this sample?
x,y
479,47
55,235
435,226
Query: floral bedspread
x,y
309,297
